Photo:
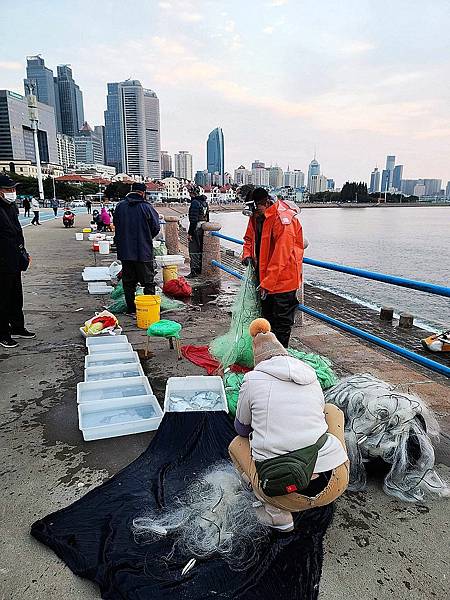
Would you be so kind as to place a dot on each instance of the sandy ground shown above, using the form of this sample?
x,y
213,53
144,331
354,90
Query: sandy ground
x,y
377,548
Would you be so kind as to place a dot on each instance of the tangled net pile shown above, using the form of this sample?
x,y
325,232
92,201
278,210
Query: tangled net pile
x,y
119,305
381,422
215,518
235,347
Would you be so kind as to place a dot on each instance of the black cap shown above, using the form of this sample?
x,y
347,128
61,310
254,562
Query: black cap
x,y
260,195
138,187
6,182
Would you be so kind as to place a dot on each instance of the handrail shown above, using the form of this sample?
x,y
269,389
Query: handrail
x,y
421,286
417,358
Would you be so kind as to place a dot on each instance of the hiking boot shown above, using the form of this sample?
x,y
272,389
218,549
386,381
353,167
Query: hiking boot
x,y
278,519
24,333
439,342
8,342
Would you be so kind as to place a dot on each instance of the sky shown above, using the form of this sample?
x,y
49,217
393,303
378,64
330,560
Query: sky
x,y
351,80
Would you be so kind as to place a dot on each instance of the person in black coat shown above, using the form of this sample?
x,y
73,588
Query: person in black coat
x,y
198,214
26,207
136,225
12,322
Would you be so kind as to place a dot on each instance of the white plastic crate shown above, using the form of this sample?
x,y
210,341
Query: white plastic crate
x,y
105,340
169,260
113,418
107,348
113,389
96,274
99,287
114,358
117,371
194,383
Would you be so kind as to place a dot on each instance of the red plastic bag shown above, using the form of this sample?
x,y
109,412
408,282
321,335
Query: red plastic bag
x,y
177,288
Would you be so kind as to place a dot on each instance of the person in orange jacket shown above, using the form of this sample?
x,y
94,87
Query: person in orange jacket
x,y
273,243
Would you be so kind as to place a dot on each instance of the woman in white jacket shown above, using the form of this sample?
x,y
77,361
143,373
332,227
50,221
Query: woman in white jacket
x,y
281,410
35,207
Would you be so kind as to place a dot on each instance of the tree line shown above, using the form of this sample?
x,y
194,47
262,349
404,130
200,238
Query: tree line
x,y
357,192
28,186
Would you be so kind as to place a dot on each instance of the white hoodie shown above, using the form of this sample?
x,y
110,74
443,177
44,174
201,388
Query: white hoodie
x,y
281,399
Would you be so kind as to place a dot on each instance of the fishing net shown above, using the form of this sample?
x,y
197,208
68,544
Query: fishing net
x,y
383,423
235,347
215,518
320,364
119,306
232,383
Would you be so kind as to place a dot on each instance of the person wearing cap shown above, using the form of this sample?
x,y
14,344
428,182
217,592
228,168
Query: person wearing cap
x,y
198,214
290,446
12,255
136,225
274,244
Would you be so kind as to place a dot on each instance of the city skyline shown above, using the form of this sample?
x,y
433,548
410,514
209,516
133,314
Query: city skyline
x,y
348,83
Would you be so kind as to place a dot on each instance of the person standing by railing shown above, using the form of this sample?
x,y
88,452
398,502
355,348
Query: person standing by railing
x,y
198,214
274,244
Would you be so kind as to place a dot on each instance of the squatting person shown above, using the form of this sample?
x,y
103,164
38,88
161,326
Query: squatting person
x,y
136,224
296,458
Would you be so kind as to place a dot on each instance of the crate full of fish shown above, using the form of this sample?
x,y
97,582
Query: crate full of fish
x,y
195,393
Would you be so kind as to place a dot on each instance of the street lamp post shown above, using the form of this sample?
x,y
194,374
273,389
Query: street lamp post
x,y
34,119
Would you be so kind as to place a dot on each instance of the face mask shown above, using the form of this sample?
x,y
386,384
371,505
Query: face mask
x,y
10,196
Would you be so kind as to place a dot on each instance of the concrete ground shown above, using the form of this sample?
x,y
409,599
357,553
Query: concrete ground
x,y
377,548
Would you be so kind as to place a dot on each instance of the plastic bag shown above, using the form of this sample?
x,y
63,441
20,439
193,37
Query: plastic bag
x,y
160,249
177,288
102,323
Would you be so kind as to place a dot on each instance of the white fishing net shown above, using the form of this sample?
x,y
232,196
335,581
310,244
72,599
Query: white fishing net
x,y
215,517
382,422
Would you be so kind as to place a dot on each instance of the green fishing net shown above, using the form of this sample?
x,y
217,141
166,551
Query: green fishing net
x,y
232,383
160,249
321,365
119,306
235,347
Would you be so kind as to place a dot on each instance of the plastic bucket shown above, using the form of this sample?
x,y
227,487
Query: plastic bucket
x,y
147,310
95,247
103,247
170,272
79,237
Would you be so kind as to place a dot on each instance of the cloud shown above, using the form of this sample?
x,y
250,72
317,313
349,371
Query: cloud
x,y
357,47
11,65
269,29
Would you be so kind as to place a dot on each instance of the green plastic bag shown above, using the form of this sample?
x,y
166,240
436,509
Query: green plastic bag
x,y
160,250
165,328
117,291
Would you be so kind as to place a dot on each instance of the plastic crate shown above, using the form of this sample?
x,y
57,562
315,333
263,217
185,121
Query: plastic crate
x,y
106,339
113,389
109,359
194,383
117,371
169,259
96,274
107,348
113,418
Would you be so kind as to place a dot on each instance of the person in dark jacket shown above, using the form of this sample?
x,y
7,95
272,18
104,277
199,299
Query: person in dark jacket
x,y
136,224
26,207
198,214
12,322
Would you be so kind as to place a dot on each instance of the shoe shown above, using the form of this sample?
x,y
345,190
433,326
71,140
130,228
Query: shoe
x,y
439,342
28,335
192,276
8,342
278,519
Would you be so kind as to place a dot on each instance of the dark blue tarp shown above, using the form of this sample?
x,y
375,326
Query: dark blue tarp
x,y
93,536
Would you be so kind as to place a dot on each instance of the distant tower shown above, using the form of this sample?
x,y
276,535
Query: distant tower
x,y
70,101
183,165
215,153
374,181
313,171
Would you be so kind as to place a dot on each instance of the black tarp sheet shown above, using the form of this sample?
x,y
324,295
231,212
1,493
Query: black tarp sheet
x,y
93,536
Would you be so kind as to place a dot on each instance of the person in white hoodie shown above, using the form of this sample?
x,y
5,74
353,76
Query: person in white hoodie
x,y
290,445
35,207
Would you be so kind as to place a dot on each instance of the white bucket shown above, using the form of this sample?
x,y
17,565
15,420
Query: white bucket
x,y
79,237
103,247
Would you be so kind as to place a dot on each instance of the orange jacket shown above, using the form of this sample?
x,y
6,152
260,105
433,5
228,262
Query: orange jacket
x,y
281,251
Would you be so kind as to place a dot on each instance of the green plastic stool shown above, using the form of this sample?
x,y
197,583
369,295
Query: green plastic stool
x,y
171,330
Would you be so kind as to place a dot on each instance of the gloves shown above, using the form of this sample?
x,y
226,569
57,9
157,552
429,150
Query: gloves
x,y
248,261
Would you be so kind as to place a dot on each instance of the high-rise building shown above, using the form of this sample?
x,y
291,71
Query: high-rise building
x,y
66,150
257,164
313,171
447,190
166,161
432,187
183,165
260,175
70,101
330,185
242,176
132,129
390,162
99,131
420,189
42,77
215,153
374,186
203,178
386,176
88,147
299,178
275,177
16,135
318,183
407,186
397,177
289,178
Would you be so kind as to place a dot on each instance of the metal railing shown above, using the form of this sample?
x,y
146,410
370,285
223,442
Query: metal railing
x,y
391,279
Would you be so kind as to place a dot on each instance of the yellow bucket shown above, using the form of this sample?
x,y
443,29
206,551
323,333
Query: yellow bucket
x,y
147,310
170,272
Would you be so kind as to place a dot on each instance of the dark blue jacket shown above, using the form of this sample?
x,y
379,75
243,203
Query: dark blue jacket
x,y
198,212
136,224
